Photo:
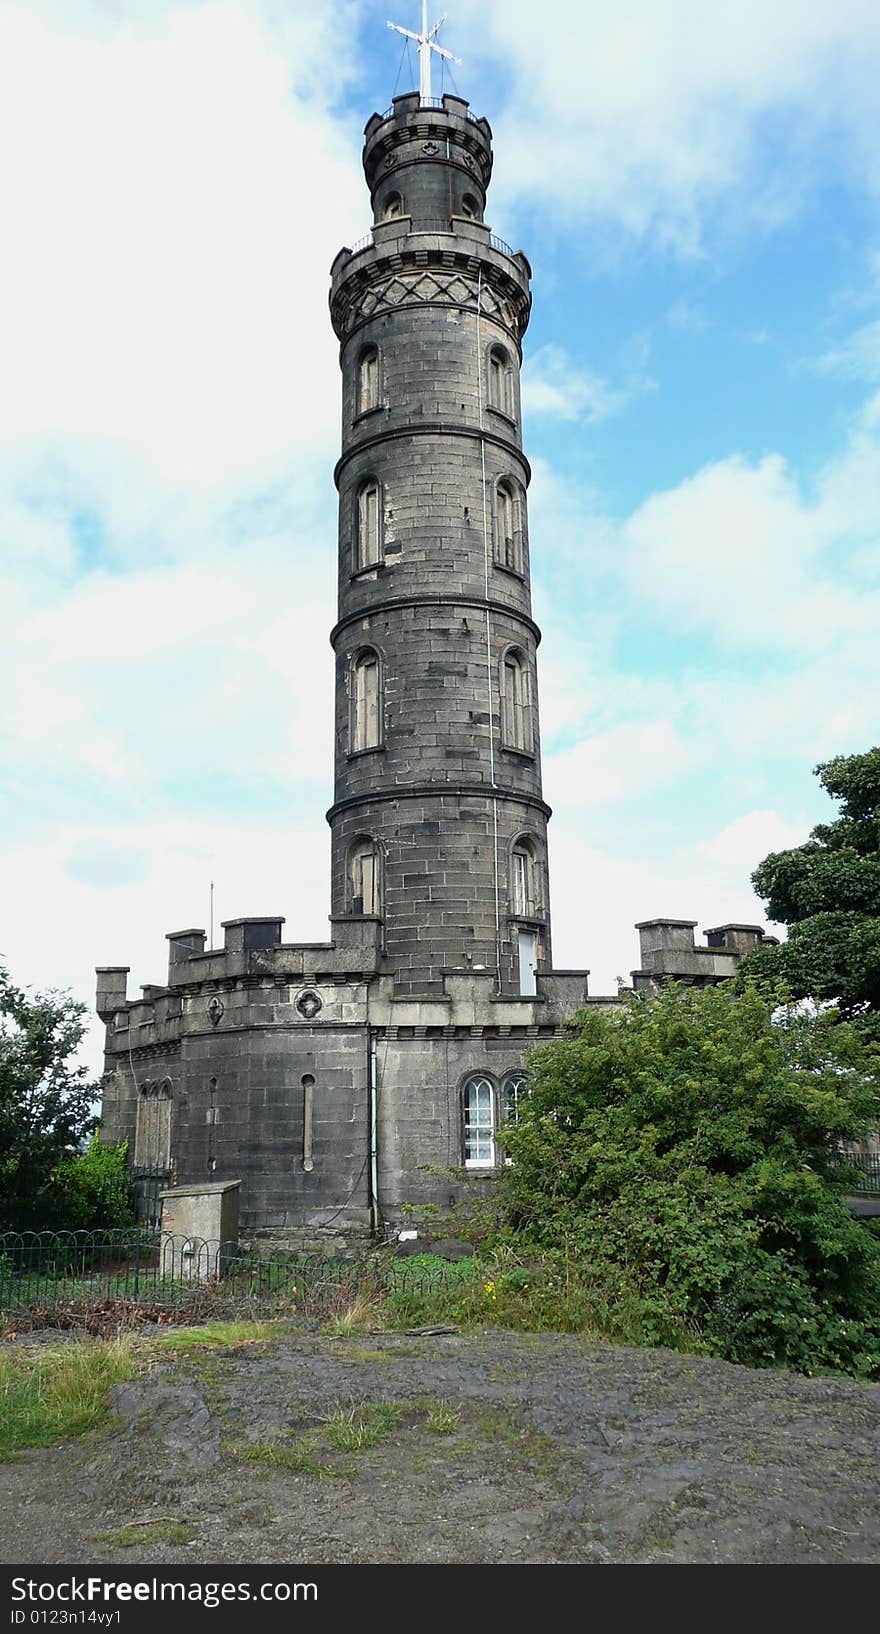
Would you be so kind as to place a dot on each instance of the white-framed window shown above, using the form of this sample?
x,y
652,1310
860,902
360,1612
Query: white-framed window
x,y
500,381
514,1090
393,207
478,1107
525,895
365,876
368,550
508,525
470,206
368,380
366,712
516,711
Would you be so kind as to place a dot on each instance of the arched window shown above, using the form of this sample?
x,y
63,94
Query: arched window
x,y
508,526
516,711
393,207
479,1123
366,714
152,1138
500,381
368,380
365,877
514,1090
368,542
525,888
470,206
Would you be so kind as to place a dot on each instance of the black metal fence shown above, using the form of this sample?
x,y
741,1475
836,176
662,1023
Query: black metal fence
x,y
147,1185
45,1271
867,1169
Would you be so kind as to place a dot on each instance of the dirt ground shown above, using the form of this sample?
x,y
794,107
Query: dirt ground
x,y
557,1451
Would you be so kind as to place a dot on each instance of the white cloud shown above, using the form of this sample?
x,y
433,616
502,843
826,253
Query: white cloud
x,y
739,551
555,387
598,896
140,681
61,918
655,118
687,316
179,209
629,759
855,358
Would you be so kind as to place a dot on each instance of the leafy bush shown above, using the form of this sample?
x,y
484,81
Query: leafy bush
x,y
92,1190
684,1154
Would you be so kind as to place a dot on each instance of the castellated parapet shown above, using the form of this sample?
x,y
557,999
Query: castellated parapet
x,y
208,1076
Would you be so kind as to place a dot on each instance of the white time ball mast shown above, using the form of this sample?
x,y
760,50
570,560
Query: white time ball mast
x,y
427,43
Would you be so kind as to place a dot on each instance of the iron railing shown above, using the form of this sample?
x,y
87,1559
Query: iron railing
x,y
46,1270
428,102
429,225
147,1184
867,1169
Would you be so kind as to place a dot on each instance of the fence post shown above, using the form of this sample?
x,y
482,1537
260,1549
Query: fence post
x,y
137,1262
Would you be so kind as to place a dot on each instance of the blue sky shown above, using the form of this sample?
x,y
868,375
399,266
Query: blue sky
x,y
698,196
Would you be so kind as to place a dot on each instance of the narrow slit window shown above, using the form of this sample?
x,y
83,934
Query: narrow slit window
x,y
509,526
366,718
368,550
368,380
515,702
525,899
366,879
500,381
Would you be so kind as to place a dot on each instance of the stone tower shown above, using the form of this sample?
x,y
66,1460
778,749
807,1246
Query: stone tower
x,y
340,1082
438,823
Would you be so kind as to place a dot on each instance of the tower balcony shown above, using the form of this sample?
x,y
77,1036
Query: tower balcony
x,y
387,266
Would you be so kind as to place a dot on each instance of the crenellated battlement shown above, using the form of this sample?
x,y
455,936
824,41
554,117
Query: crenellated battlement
x,y
669,952
256,979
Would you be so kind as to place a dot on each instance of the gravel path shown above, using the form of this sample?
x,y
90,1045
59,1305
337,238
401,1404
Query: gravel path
x,y
563,1451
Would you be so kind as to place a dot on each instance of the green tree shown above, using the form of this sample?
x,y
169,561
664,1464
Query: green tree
x,y
684,1149
46,1101
827,892
92,1189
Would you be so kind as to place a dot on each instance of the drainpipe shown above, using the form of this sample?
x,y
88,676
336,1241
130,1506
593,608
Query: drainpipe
x,y
374,1143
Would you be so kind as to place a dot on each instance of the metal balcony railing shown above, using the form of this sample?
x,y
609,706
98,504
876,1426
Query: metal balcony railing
x,y
428,102
867,1167
430,225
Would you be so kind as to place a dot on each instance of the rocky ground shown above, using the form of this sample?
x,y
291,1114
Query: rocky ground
x,y
547,1449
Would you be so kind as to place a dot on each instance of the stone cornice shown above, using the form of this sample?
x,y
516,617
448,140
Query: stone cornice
x,y
434,428
433,791
435,599
425,268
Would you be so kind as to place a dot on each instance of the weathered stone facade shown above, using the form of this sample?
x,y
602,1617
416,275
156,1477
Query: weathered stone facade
x,y
329,1078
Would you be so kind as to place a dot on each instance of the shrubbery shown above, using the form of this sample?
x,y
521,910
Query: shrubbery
x,y
684,1155
91,1191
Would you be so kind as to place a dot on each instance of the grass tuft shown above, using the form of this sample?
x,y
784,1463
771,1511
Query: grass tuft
x,y
291,1456
145,1534
51,1392
218,1335
364,1312
442,1419
355,1428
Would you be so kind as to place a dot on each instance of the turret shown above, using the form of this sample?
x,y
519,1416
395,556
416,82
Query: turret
x,y
438,824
